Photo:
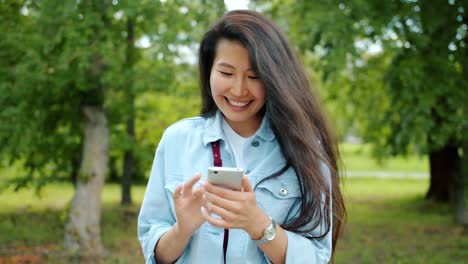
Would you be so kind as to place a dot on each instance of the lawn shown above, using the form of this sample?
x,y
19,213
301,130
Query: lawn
x,y
31,227
358,158
388,220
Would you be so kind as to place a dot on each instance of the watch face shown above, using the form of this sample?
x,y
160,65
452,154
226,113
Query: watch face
x,y
271,233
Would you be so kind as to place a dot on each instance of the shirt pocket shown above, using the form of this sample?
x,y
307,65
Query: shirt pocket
x,y
277,197
172,181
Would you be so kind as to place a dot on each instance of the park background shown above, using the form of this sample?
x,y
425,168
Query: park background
x,y
87,87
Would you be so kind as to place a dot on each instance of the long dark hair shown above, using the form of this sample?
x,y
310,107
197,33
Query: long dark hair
x,y
295,114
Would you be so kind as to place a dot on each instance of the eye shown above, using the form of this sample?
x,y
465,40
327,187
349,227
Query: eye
x,y
253,77
225,73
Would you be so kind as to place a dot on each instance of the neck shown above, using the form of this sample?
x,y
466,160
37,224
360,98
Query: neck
x,y
246,129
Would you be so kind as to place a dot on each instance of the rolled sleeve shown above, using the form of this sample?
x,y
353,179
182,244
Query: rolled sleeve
x,y
149,240
301,249
156,216
304,250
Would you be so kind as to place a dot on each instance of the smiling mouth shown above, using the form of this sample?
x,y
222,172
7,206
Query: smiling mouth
x,y
238,103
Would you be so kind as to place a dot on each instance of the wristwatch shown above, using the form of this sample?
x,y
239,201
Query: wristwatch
x,y
268,234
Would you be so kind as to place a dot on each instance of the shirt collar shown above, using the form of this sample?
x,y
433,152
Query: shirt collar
x,y
214,129
265,132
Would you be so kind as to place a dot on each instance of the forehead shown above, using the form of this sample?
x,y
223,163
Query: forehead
x,y
232,52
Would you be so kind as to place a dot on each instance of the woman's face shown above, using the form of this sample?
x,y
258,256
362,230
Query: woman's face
x,y
235,88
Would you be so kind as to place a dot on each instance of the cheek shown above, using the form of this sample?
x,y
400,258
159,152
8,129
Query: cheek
x,y
259,91
218,84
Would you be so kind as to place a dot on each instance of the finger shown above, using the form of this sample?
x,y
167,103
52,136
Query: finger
x,y
178,192
221,212
220,191
198,192
218,201
213,221
246,186
189,184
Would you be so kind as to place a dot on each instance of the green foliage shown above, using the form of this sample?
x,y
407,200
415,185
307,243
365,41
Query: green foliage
x,y
155,112
56,57
392,71
44,88
161,73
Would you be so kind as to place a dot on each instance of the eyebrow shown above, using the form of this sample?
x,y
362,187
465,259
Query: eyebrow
x,y
225,64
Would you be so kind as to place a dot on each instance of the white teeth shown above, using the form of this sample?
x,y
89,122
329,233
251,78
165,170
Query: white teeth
x,y
239,104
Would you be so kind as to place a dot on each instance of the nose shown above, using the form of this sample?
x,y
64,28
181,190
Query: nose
x,y
239,87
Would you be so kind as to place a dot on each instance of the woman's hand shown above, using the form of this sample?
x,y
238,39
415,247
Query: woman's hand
x,y
187,202
237,209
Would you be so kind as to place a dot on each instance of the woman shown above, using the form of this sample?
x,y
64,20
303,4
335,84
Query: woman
x,y
258,113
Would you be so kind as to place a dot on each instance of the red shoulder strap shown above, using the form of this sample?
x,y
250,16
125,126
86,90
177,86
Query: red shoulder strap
x,y
218,162
216,154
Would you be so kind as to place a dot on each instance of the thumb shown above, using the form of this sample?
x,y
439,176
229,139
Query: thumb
x,y
246,186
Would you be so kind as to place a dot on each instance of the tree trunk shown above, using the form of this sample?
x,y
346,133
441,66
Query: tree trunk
x,y
128,155
82,231
444,169
75,168
461,214
128,166
113,174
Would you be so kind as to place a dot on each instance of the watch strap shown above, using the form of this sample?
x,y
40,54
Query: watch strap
x,y
268,234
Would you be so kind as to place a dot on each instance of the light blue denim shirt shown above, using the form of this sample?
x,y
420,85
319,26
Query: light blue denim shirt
x,y
184,150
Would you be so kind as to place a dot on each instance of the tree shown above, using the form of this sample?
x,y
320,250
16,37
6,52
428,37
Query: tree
x,y
29,68
65,67
462,180
82,231
53,97
408,94
167,27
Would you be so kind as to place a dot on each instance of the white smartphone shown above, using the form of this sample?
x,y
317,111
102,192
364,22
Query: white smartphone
x,y
226,177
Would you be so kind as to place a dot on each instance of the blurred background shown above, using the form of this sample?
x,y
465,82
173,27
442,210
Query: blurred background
x,y
87,88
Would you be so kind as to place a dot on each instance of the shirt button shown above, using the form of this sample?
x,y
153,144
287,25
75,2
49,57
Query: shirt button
x,y
283,192
255,143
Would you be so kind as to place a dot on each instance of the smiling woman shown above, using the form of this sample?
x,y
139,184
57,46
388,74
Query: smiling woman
x,y
235,88
258,113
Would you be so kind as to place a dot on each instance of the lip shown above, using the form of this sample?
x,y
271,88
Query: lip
x,y
237,104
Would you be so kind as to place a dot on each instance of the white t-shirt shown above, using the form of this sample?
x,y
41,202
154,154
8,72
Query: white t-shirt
x,y
236,142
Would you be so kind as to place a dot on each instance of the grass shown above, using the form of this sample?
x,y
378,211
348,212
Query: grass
x,y
357,157
388,222
32,226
